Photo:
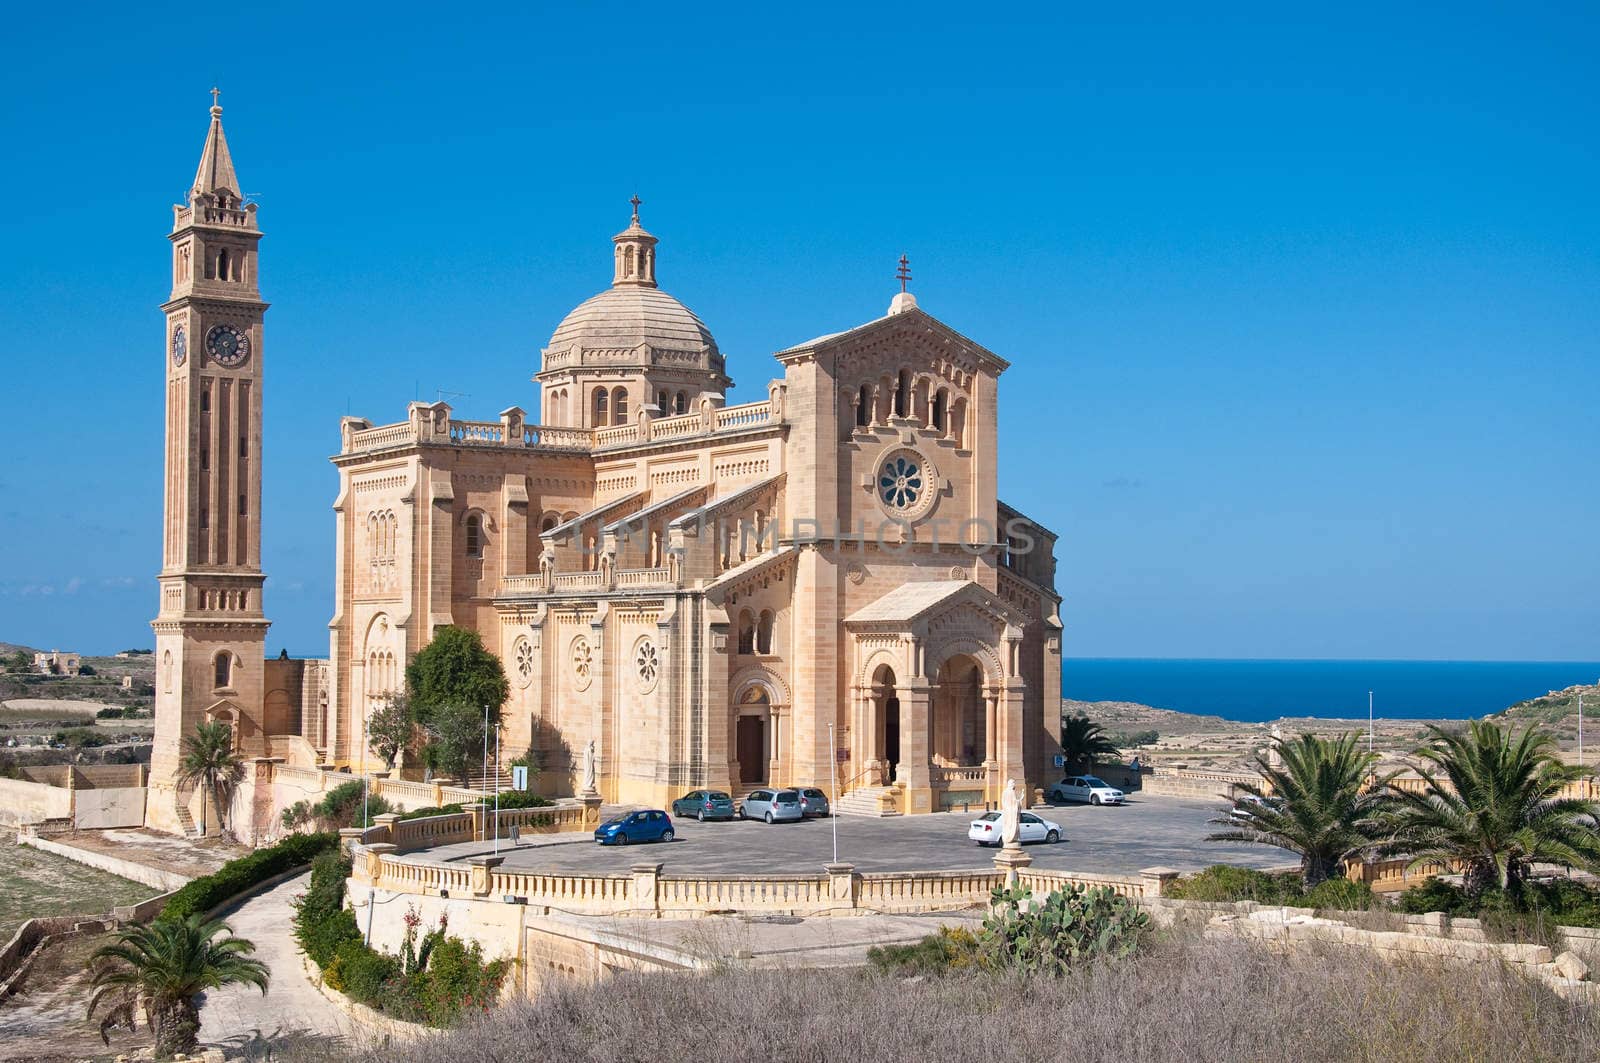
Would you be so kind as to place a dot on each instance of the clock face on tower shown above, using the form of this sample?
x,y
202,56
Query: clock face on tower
x,y
180,345
227,345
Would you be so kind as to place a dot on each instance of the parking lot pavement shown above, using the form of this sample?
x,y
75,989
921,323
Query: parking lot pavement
x,y
1148,831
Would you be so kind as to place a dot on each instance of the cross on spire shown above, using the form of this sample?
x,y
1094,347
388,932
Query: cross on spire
x,y
904,272
215,92
636,201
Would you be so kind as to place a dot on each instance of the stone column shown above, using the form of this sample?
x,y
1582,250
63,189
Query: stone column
x,y
1157,880
385,826
645,895
483,873
841,884
915,748
478,812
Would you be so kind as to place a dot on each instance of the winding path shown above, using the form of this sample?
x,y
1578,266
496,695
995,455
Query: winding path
x,y
237,1015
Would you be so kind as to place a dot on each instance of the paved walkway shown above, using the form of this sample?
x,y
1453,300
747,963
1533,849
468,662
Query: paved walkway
x,y
238,1015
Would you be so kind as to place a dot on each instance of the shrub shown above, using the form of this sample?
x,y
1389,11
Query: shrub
x,y
1224,882
1071,926
296,815
1434,895
321,921
457,978
442,810
511,799
341,806
952,948
1338,894
111,712
361,973
236,876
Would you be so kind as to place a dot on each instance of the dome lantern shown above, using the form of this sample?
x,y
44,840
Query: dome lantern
x,y
635,253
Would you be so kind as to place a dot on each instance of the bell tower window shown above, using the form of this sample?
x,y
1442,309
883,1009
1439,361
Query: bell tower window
x,y
602,406
222,265
223,666
474,536
619,406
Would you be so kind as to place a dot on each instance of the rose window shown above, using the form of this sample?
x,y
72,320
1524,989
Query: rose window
x,y
522,659
648,662
900,482
582,662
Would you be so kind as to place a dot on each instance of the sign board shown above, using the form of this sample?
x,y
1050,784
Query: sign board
x,y
1061,761
842,753
519,777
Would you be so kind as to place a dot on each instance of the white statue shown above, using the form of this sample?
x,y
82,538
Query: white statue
x,y
1010,814
588,768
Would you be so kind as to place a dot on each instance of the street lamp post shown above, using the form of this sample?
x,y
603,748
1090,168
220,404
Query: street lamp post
x,y
833,786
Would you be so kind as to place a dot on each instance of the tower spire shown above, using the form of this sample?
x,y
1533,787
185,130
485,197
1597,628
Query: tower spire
x,y
215,176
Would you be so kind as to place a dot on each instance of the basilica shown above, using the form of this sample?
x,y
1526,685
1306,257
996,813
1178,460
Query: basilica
x,y
820,587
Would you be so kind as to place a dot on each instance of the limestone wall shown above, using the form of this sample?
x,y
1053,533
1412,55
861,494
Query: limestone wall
x,y
33,802
97,809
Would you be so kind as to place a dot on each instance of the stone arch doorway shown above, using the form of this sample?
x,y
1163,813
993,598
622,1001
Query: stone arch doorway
x,y
886,722
753,735
960,729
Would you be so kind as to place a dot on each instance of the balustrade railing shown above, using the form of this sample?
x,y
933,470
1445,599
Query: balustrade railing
x,y
643,577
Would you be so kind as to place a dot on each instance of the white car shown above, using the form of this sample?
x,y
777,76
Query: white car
x,y
1085,788
985,830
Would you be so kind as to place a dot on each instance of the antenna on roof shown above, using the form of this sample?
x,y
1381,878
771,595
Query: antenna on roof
x,y
441,393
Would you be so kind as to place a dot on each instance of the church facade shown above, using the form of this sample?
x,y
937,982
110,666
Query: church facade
x,y
820,587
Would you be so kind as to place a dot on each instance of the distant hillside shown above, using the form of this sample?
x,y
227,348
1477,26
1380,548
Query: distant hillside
x,y
1558,710
1127,716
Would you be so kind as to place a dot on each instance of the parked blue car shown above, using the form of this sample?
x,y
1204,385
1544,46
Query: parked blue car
x,y
646,825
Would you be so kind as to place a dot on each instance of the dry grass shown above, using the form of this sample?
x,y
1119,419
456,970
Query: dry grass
x,y
1185,1000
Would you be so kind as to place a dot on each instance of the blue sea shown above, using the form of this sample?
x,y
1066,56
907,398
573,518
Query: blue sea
x,y
1253,691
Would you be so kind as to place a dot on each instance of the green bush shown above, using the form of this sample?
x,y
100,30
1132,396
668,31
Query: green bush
x,y
341,806
433,984
236,876
951,949
1434,895
321,921
1338,894
442,810
1071,926
1224,882
512,799
296,815
111,712
361,973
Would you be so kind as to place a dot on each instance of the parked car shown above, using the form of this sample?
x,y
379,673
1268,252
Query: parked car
x,y
813,802
1246,803
645,825
985,830
772,805
1085,788
704,805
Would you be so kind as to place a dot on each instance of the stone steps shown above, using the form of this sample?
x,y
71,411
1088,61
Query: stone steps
x,y
863,801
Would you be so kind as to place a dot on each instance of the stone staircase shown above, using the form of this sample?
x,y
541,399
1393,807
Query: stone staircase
x,y
477,780
185,820
865,801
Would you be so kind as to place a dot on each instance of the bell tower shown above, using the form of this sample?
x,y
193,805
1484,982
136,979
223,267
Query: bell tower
x,y
210,631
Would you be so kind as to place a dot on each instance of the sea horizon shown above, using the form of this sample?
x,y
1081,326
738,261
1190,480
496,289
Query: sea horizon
x,y
1253,690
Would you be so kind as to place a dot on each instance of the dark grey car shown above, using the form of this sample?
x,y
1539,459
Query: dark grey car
x,y
813,802
771,804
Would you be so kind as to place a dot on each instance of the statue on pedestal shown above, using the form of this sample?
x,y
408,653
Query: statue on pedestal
x,y
1011,814
589,780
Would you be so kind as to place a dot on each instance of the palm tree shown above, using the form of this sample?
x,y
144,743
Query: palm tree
x,y
210,762
159,970
1322,802
1082,740
1491,800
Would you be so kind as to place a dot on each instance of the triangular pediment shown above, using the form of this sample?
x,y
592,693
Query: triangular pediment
x,y
914,605
914,327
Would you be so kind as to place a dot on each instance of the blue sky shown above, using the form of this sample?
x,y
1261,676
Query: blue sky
x,y
1301,308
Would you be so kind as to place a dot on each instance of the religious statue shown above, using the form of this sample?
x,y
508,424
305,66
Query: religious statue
x,y
1010,814
589,780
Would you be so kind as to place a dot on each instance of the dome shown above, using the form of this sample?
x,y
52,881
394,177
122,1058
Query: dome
x,y
629,315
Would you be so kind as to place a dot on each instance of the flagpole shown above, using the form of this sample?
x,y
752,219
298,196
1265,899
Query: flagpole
x,y
1369,721
497,789
833,781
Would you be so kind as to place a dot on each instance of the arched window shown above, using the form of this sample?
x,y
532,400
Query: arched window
x,y
661,401
602,406
764,632
941,399
681,403
550,521
902,394
747,631
474,536
619,406
166,672
224,670
222,265
864,406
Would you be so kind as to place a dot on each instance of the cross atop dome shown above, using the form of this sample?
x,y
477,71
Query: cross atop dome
x,y
905,300
635,253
